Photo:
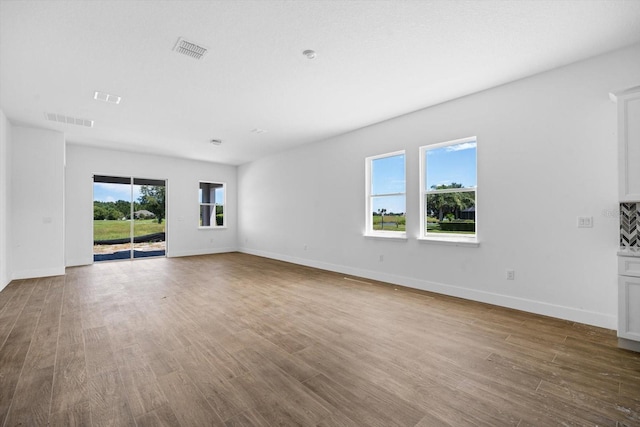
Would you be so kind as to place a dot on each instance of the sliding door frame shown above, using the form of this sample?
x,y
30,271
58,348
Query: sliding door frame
x,y
131,181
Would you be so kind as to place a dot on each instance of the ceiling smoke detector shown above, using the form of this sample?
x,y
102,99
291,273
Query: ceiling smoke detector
x,y
189,48
107,97
60,118
216,141
310,54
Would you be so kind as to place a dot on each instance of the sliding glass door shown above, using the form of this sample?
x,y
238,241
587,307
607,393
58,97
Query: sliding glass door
x,y
111,213
129,219
149,237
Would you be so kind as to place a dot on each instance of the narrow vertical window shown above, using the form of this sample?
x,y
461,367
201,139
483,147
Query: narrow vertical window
x,y
212,202
386,195
448,188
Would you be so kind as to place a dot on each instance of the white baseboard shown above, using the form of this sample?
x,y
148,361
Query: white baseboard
x,y
538,307
170,254
79,262
42,272
629,344
175,254
4,284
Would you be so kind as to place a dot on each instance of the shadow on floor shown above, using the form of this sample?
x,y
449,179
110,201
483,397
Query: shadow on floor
x,y
126,255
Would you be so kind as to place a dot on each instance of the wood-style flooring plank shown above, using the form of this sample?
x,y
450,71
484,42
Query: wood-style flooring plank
x,y
285,385
238,340
188,404
70,379
70,402
605,413
98,352
249,418
76,415
156,355
18,294
32,397
108,400
139,381
8,294
162,416
15,349
290,364
362,407
273,406
582,380
211,381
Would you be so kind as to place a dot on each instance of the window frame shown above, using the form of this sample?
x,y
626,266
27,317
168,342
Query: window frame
x,y
215,225
369,231
452,238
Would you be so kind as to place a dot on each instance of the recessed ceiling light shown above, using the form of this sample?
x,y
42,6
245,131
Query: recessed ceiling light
x,y
61,118
107,97
259,131
310,54
216,141
189,48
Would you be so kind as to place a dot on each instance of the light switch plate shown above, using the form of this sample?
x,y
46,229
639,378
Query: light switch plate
x,y
585,221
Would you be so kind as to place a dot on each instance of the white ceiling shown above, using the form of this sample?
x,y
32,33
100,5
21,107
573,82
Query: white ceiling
x,y
376,60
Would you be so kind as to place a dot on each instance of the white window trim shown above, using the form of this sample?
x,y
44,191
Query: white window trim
x,y
449,239
369,231
224,204
454,240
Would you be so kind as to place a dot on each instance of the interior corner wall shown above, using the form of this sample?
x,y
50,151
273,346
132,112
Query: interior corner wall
x,y
5,195
37,202
547,153
182,220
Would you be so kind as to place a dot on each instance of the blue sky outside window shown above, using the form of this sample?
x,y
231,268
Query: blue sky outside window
x,y
453,163
388,183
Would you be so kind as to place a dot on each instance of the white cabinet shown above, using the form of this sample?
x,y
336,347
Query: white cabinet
x,y
628,191
628,143
629,266
629,307
629,301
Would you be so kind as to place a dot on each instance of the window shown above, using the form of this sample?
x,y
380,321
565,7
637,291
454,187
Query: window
x,y
212,200
448,191
386,195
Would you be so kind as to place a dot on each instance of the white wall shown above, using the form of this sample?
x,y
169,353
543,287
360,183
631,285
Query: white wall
x,y
37,202
5,195
183,236
546,154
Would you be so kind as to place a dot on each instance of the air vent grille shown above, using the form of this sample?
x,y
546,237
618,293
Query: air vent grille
x,y
60,118
106,97
190,49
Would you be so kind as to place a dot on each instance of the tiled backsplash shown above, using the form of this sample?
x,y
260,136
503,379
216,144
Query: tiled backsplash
x,y
630,225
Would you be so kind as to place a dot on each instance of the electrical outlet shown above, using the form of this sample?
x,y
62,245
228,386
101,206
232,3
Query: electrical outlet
x,y
585,221
510,274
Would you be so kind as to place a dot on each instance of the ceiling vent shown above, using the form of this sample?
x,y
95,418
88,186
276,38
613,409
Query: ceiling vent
x,y
107,97
190,49
68,120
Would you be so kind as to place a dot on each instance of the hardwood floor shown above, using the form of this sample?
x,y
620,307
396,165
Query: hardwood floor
x,y
238,340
